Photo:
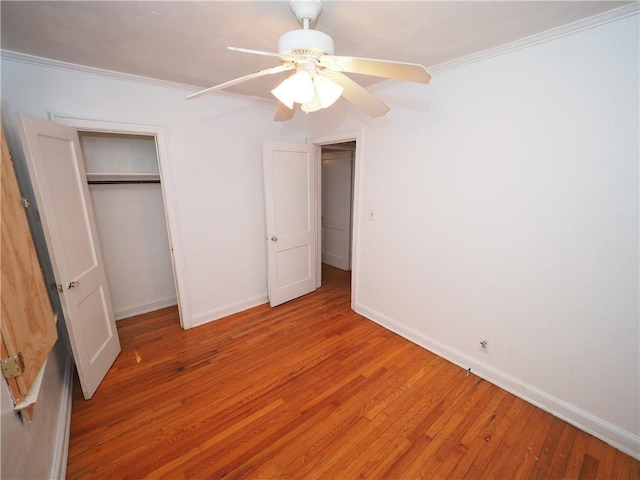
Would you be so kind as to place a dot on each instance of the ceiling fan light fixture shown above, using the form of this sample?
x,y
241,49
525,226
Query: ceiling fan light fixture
x,y
328,91
298,88
313,105
283,95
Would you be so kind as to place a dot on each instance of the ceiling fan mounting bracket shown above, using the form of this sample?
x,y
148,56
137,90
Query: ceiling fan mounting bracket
x,y
306,10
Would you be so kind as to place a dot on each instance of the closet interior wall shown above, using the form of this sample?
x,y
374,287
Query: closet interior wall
x,y
124,184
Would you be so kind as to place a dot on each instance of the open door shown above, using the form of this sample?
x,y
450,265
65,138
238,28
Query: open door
x,y
59,182
290,172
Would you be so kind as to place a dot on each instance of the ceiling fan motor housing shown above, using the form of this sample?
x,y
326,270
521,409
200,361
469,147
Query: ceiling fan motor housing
x,y
305,42
308,43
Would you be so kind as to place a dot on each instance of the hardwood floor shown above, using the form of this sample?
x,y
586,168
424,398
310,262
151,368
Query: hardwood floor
x,y
310,389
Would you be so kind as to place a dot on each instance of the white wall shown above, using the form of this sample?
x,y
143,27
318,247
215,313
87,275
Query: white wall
x,y
39,450
131,224
506,195
215,146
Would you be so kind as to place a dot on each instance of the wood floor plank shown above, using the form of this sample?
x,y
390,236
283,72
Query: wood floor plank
x,y
545,456
560,456
446,449
505,449
522,450
309,390
493,435
606,457
577,456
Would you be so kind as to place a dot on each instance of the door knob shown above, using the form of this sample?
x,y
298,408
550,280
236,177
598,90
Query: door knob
x,y
274,239
72,284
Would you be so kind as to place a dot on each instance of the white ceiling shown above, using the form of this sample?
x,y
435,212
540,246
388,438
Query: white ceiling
x,y
185,42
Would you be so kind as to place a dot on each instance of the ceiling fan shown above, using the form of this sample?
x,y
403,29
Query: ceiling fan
x,y
318,79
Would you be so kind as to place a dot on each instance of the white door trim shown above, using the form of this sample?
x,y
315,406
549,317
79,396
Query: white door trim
x,y
328,139
167,187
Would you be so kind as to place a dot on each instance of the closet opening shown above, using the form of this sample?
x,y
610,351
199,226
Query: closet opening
x,y
126,193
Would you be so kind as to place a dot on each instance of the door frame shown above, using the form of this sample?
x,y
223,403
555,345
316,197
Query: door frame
x,y
319,142
166,185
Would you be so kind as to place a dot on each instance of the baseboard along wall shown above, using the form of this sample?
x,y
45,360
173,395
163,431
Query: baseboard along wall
x,y
605,431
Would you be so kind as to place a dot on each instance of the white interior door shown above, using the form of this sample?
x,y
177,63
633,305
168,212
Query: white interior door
x,y
290,173
57,173
336,208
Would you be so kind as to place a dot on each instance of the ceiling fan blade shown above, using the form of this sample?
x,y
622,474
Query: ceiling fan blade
x,y
283,113
256,52
261,52
411,72
359,96
251,76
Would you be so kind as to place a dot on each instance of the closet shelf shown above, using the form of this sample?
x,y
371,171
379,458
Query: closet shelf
x,y
118,178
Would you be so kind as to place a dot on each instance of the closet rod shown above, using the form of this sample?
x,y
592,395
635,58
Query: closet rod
x,y
119,182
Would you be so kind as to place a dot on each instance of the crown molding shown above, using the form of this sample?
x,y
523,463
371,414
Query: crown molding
x,y
74,67
552,34
100,72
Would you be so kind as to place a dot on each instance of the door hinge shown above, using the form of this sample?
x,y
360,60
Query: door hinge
x,y
25,203
12,366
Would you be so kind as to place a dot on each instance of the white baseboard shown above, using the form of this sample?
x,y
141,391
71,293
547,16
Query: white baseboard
x,y
132,311
616,437
59,468
336,261
230,309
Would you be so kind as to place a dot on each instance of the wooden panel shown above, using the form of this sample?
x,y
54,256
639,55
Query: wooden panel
x,y
307,390
28,323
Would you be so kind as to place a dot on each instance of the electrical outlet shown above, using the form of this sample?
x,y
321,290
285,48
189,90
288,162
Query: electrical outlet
x,y
484,345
